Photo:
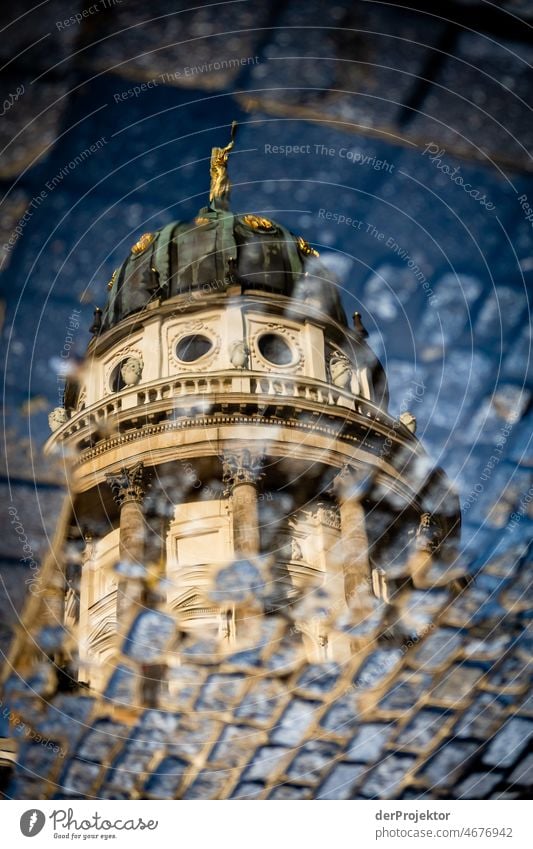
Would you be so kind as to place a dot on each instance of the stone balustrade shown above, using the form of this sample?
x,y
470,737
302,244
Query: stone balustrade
x,y
191,393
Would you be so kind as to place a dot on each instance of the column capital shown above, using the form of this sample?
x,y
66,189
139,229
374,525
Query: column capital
x,y
351,482
127,484
241,466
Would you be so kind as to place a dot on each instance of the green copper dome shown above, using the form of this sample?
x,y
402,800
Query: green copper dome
x,y
218,251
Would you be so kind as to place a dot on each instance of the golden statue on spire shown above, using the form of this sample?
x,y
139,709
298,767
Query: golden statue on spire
x,y
220,184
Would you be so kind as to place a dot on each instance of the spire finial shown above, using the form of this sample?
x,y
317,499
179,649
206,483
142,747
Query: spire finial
x,y
220,184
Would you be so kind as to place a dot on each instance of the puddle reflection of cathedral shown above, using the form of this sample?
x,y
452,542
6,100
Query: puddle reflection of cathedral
x,y
227,412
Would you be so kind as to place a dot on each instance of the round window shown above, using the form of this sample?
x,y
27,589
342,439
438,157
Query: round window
x,y
275,349
116,383
191,348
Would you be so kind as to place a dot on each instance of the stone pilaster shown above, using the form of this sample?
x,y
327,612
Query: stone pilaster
x,y
241,471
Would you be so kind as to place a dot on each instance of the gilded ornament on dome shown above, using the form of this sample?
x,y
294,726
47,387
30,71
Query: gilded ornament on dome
x,y
144,242
220,184
200,220
112,280
257,222
305,248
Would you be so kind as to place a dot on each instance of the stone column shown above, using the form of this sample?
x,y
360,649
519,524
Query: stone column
x,y
128,493
354,538
241,471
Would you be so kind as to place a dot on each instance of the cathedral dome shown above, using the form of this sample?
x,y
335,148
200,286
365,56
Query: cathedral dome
x,y
214,253
220,252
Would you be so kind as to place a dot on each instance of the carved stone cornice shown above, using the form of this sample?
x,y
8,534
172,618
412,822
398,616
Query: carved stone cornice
x,y
127,484
216,420
240,467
